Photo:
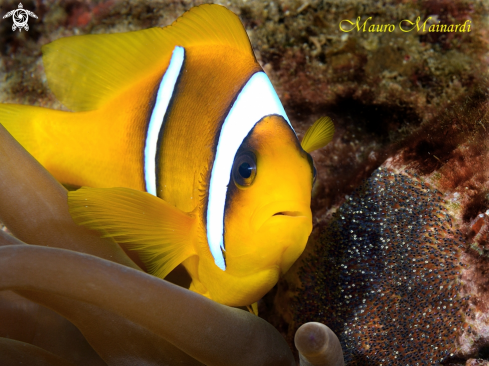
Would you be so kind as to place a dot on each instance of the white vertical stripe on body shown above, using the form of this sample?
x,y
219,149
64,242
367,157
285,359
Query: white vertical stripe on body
x,y
163,97
256,100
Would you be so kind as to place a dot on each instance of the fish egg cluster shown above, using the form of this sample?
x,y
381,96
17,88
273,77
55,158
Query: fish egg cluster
x,y
386,275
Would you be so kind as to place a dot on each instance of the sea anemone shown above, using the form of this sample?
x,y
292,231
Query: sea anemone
x,y
106,309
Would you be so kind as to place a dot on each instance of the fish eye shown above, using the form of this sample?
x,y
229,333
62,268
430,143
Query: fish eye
x,y
244,169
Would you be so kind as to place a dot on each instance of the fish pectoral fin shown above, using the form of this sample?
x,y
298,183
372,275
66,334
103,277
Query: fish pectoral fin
x,y
160,233
318,135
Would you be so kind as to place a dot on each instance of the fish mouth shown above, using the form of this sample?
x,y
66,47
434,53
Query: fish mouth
x,y
279,210
288,213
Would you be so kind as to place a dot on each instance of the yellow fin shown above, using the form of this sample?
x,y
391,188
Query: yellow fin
x,y
158,231
318,135
86,71
253,308
17,120
210,24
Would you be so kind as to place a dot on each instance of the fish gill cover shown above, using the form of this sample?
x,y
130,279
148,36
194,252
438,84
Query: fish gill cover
x,y
387,277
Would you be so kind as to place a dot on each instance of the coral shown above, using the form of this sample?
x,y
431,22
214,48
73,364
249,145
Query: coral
x,y
386,275
377,87
473,362
443,160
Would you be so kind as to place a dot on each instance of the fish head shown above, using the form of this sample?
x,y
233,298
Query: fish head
x,y
267,217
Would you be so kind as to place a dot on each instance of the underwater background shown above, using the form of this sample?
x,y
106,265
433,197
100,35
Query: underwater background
x,y
397,264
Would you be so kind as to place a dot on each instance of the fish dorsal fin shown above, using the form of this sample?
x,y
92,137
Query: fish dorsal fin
x,y
160,233
318,135
210,24
86,71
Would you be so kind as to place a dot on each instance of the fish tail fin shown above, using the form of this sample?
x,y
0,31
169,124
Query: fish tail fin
x,y
27,124
318,135
19,120
160,233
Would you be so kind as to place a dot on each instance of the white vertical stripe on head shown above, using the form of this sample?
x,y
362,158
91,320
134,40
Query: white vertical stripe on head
x,y
163,97
256,100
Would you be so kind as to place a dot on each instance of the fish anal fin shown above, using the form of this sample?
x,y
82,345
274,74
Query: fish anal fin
x,y
318,135
160,233
84,72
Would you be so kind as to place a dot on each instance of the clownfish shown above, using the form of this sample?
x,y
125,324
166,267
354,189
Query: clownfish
x,y
186,147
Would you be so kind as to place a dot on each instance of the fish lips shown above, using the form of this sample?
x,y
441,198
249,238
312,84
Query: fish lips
x,y
280,210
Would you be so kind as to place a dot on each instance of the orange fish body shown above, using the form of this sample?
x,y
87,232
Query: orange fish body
x,y
186,123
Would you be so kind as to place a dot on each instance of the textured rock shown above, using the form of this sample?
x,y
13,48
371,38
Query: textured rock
x,y
423,210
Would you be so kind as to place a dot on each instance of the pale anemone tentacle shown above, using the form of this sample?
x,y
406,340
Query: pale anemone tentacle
x,y
111,298
209,333
33,205
15,352
38,213
318,345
